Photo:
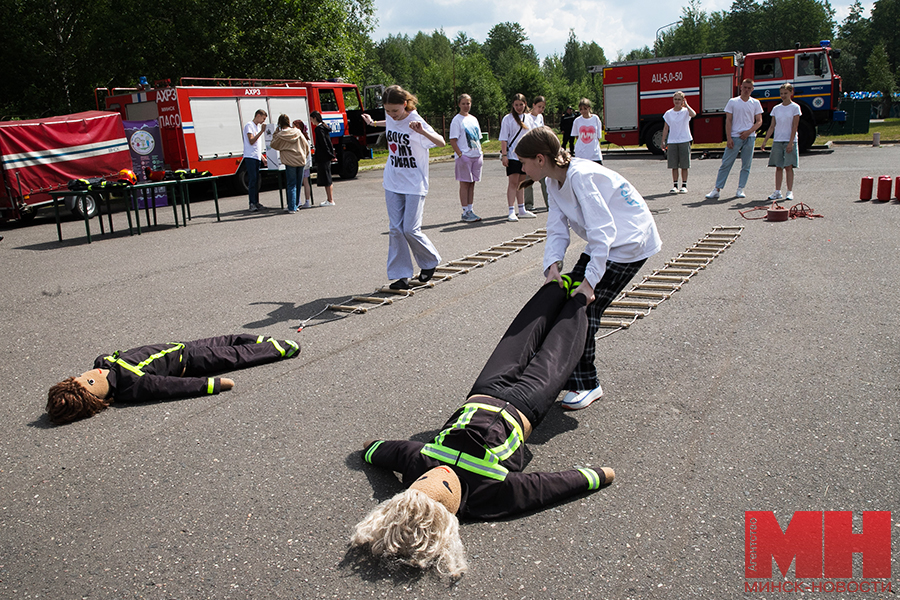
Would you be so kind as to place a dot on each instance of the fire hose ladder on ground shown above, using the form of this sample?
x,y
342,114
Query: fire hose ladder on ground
x,y
627,308
658,286
445,272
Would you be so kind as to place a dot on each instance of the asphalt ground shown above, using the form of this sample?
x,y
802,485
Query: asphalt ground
x,y
767,383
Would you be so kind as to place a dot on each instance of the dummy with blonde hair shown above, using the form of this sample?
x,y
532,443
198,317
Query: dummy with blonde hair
x,y
415,530
474,467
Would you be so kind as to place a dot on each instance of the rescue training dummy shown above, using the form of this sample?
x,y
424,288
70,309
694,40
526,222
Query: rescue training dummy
x,y
162,372
474,465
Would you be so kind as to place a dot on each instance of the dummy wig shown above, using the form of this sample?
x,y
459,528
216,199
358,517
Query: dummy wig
x,y
69,401
542,140
397,95
415,530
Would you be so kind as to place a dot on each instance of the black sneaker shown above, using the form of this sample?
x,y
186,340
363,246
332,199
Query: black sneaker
x,y
426,274
400,284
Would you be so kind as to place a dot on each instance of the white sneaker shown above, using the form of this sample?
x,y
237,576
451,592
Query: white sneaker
x,y
790,196
740,193
776,195
674,189
512,217
579,400
527,214
305,205
326,203
713,194
683,190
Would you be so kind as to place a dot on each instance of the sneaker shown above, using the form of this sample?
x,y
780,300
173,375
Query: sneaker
x,y
400,284
305,205
293,349
740,193
674,189
326,203
683,190
254,208
776,195
425,275
470,217
713,194
790,196
261,207
578,400
527,214
289,211
512,217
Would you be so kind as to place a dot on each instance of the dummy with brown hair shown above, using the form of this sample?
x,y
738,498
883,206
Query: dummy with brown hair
x,y
69,401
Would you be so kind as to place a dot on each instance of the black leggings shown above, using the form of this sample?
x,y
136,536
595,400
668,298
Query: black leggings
x,y
530,365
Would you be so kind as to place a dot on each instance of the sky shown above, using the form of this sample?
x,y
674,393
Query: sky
x,y
615,25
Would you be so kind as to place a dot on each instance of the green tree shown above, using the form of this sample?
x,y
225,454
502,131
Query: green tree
x,y
573,63
506,45
791,22
884,23
853,40
881,78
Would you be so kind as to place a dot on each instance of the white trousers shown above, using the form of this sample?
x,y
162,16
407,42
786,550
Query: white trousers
x,y
405,217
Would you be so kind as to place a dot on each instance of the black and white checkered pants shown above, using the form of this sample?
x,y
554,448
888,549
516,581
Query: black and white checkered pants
x,y
614,280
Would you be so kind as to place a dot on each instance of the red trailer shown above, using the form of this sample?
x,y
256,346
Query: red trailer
x,y
42,155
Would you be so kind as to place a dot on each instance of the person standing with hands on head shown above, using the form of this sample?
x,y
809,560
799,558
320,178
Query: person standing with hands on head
x,y
465,137
254,157
536,120
677,140
603,209
293,148
587,130
323,156
783,131
409,138
512,128
743,116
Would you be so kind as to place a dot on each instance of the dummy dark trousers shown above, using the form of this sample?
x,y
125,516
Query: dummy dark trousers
x,y
230,352
614,280
541,347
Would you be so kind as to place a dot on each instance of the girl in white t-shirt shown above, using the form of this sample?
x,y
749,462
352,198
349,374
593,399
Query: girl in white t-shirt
x,y
587,130
405,185
465,137
512,128
537,120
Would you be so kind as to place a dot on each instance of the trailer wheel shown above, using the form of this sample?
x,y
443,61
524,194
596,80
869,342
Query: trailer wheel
x,y
27,214
806,134
243,180
654,138
349,165
74,204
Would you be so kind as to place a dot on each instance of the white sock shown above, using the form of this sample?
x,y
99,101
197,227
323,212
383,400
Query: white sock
x,y
512,209
522,208
469,208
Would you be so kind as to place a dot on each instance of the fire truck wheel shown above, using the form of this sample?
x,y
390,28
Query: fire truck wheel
x,y
349,166
243,181
654,138
806,134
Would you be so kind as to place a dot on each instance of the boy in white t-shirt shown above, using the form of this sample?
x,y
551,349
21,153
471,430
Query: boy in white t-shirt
x,y
783,131
743,116
465,137
677,140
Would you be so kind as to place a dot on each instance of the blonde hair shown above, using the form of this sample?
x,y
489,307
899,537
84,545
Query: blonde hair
x,y
542,140
584,102
678,94
397,95
463,96
787,86
415,530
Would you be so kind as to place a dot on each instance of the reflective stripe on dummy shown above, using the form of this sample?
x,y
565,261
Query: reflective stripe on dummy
x,y
489,466
210,385
592,477
137,369
371,451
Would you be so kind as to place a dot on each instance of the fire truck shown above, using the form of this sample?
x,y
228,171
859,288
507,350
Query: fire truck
x,y
201,119
637,93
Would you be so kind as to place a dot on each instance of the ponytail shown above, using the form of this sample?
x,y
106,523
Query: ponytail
x,y
542,140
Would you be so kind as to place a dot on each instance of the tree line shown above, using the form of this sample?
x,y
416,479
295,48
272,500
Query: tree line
x,y
55,52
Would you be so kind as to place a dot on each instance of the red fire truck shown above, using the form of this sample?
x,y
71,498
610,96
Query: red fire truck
x,y
201,119
637,93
